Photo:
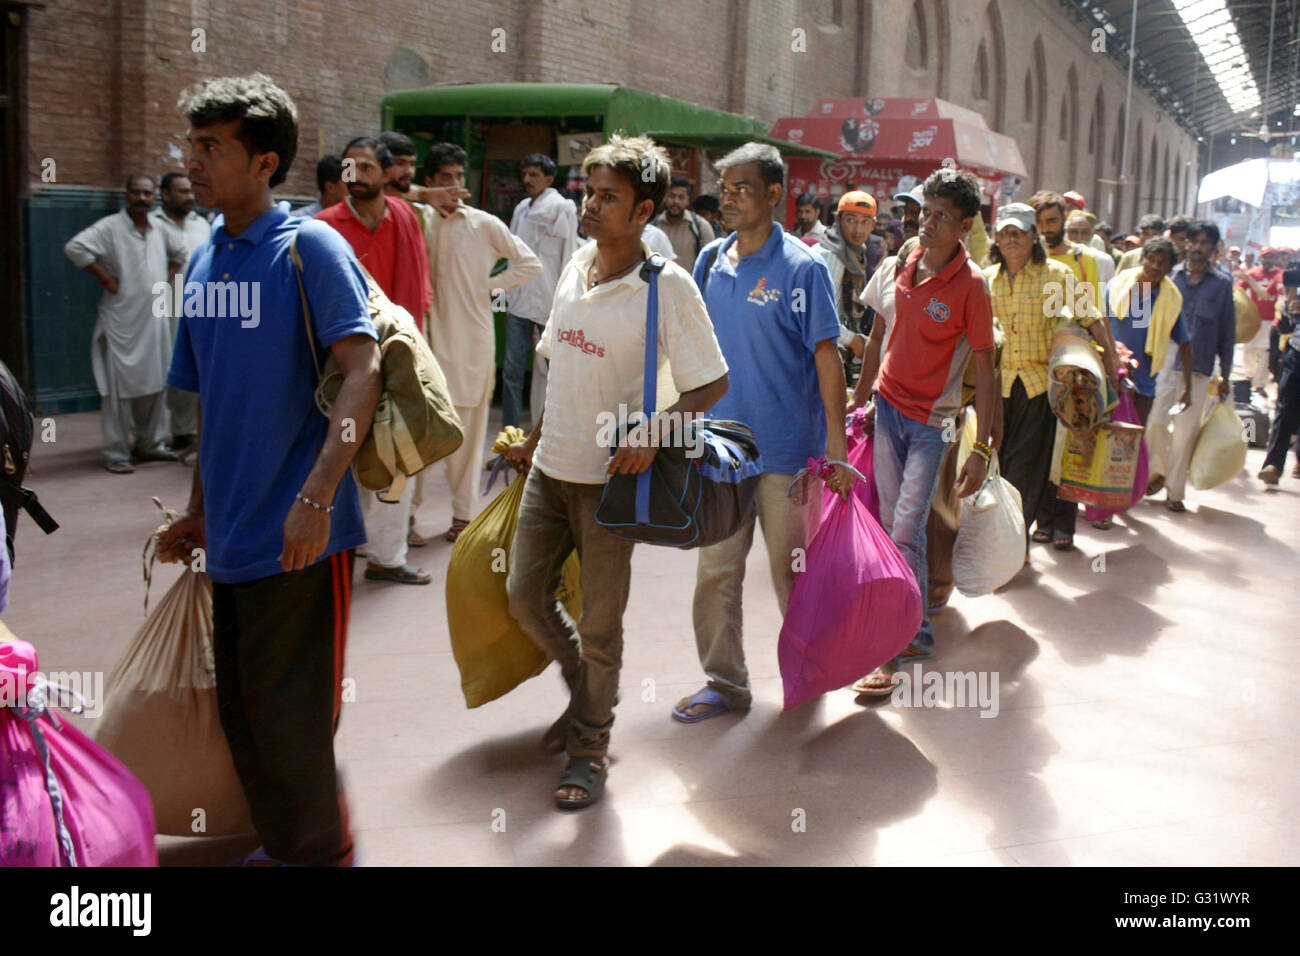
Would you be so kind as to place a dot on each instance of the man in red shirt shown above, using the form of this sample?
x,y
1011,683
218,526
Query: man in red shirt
x,y
386,237
943,318
1263,284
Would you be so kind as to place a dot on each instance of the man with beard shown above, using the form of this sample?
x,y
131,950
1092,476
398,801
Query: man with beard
x,y
807,217
128,253
386,237
548,225
911,214
688,232
851,252
1207,304
178,217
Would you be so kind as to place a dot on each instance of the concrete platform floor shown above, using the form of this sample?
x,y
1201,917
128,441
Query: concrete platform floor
x,y
1147,714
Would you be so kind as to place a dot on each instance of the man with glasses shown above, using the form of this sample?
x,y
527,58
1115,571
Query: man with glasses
x,y
773,312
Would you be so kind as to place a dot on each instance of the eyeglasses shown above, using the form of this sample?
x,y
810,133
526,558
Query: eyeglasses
x,y
743,192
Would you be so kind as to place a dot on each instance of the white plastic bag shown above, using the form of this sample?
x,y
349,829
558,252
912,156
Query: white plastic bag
x,y
990,546
1220,452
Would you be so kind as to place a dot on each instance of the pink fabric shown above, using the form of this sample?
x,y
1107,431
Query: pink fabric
x,y
860,457
106,811
1126,411
855,606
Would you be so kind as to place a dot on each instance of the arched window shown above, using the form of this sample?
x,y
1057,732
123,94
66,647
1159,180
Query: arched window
x,y
980,84
916,54
1029,96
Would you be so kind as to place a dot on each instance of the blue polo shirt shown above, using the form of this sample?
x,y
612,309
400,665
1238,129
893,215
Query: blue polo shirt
x,y
769,313
1208,308
1133,333
261,430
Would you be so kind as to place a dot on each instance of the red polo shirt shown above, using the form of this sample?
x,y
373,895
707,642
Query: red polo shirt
x,y
394,254
936,326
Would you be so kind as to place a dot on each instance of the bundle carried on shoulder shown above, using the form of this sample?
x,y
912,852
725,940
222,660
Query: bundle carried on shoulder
x,y
415,423
160,712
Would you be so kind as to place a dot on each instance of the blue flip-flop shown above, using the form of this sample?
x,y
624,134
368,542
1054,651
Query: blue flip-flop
x,y
705,696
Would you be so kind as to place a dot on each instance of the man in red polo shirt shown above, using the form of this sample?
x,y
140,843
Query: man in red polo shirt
x,y
943,317
386,237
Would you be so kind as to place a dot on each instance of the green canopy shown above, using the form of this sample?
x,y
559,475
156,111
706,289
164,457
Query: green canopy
x,y
619,107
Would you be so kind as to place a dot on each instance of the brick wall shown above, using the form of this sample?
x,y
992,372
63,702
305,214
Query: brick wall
x,y
104,76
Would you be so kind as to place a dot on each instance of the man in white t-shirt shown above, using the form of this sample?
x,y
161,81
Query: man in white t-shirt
x,y
595,342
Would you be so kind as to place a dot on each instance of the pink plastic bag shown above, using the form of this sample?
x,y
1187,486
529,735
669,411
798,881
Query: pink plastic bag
x,y
1126,411
855,606
860,457
64,800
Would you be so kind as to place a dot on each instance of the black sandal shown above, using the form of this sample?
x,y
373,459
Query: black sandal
x,y
1062,541
586,773
1041,536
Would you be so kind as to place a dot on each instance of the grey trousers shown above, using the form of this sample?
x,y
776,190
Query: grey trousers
x,y
120,418
720,575
554,518
183,407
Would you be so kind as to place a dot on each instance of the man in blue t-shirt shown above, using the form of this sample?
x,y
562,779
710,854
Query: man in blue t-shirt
x,y
273,512
1130,321
773,312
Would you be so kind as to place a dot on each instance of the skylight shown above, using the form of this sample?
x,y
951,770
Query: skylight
x,y
1215,35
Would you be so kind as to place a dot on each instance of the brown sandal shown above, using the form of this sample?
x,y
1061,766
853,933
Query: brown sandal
x,y
457,526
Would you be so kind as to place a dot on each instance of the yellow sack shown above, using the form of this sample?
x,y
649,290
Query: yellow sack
x,y
1220,452
492,651
1248,320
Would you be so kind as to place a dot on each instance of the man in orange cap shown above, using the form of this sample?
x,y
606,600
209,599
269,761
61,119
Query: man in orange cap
x,y
851,252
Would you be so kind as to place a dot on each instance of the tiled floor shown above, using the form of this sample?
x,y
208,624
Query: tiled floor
x,y
1146,713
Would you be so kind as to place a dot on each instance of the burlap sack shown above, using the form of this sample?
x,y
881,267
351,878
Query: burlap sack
x,y
160,716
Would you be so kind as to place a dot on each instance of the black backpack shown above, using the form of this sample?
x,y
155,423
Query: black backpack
x,y
17,429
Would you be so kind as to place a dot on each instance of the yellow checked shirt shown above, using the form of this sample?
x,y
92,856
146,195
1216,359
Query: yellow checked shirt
x,y
1029,314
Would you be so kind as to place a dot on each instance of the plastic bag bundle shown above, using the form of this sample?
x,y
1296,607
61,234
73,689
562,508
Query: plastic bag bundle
x,y
855,606
160,713
64,800
492,651
1220,452
1077,388
990,546
1248,318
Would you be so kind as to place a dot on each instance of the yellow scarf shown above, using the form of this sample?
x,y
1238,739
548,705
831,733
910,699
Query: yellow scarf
x,y
1169,303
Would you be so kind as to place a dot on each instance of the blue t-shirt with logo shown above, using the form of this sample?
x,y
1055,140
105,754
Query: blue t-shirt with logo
x,y
768,314
245,351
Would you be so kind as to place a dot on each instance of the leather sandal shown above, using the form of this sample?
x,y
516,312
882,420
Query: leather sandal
x,y
403,575
586,773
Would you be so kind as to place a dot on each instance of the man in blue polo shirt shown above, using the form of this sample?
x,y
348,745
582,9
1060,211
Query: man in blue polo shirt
x,y
1208,307
773,312
273,511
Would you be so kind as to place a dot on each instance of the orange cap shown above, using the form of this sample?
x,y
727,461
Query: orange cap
x,y
857,201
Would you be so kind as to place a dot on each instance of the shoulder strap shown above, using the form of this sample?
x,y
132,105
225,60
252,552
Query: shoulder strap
x,y
708,266
650,273
302,294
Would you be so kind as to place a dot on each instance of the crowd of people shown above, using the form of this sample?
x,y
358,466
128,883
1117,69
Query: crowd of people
x,y
920,318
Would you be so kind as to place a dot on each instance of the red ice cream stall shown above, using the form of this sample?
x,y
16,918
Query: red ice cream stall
x,y
890,145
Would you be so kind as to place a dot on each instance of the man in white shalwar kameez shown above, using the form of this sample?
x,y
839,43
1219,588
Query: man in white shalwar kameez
x,y
177,216
463,248
131,343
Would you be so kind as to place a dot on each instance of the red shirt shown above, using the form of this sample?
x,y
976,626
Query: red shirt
x,y
394,254
1271,280
936,326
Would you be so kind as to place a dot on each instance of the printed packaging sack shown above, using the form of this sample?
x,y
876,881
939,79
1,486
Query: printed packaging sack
x,y
160,716
1220,452
1126,412
492,651
64,800
854,606
1099,467
990,546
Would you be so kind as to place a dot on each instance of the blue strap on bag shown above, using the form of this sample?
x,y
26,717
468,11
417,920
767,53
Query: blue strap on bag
x,y
682,501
